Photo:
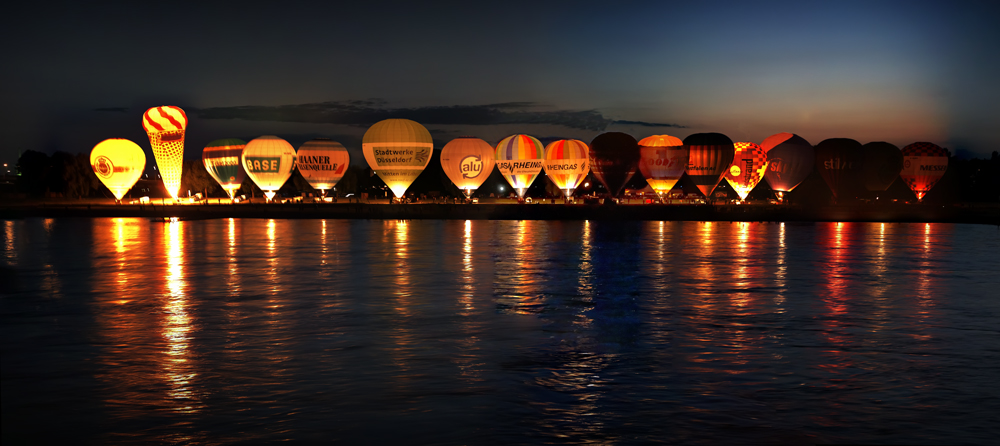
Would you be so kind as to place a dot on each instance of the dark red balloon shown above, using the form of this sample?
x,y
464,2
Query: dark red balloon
x,y
839,161
614,157
883,162
709,158
790,159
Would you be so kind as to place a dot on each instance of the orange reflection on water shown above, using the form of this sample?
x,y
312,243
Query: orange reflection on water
x,y
177,325
836,298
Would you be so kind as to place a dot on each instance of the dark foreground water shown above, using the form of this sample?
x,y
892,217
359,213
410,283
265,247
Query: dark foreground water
x,y
498,332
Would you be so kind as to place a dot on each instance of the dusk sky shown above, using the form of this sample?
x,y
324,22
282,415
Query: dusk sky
x,y
873,71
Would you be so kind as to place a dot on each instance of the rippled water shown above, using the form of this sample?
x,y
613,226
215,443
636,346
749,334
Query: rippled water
x,y
498,332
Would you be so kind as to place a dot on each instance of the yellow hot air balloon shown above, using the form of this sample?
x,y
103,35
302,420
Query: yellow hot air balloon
x,y
468,162
397,150
322,163
118,163
165,126
567,163
268,161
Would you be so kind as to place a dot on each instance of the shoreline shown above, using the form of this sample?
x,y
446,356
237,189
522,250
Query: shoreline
x,y
887,213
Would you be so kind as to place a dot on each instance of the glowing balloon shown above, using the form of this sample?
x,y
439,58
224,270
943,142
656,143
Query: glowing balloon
x,y
468,162
118,163
567,163
790,159
322,162
520,158
222,161
663,159
883,162
924,164
614,156
710,156
397,150
838,161
269,161
749,165
165,126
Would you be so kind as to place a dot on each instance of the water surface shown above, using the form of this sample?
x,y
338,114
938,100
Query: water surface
x,y
498,332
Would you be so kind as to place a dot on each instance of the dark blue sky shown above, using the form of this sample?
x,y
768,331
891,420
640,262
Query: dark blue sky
x,y
893,71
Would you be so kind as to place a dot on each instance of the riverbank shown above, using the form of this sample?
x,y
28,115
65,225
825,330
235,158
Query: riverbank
x,y
892,212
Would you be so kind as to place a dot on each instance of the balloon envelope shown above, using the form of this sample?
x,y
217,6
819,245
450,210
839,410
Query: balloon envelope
x,y
662,160
883,162
118,163
268,161
567,162
790,159
614,157
165,126
222,161
924,164
468,162
749,165
322,162
838,161
397,150
709,157
519,159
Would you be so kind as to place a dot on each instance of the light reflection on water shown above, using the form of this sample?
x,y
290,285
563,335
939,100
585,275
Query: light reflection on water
x,y
499,331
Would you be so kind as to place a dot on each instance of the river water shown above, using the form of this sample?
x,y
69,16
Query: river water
x,y
498,332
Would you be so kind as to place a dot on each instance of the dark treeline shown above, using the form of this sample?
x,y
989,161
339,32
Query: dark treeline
x,y
71,176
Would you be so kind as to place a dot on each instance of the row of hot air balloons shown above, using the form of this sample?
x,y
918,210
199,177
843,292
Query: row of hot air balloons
x,y
398,150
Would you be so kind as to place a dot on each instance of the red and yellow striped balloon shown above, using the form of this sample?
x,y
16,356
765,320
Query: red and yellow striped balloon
x,y
165,126
520,159
748,167
567,163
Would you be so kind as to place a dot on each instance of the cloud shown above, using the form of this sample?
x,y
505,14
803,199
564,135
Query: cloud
x,y
363,113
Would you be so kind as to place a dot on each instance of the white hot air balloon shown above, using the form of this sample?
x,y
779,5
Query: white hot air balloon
x,y
397,150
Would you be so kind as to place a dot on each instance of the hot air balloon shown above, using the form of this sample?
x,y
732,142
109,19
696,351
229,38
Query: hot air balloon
x,y
165,126
709,157
118,163
269,161
322,162
397,150
924,164
881,166
222,161
467,161
614,156
749,165
838,161
790,159
520,158
663,159
567,162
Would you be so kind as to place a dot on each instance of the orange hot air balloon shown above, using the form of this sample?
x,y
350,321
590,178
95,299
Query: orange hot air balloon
x,y
662,161
709,157
397,150
322,162
520,158
567,162
790,159
467,161
165,126
924,164
118,163
749,165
